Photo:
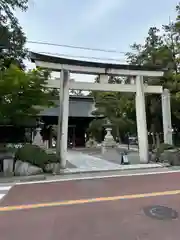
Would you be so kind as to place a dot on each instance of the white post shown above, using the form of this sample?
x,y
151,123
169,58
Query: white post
x,y
63,118
166,112
141,121
103,78
59,127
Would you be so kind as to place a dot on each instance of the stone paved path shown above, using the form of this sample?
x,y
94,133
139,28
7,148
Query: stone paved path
x,y
114,156
88,163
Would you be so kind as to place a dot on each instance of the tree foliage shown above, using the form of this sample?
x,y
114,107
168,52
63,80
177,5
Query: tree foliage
x,y
22,94
115,106
159,49
12,38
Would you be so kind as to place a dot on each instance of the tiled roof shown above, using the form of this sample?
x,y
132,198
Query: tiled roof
x,y
78,107
54,59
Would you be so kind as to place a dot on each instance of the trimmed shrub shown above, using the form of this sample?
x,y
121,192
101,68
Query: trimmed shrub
x,y
52,158
165,146
35,155
162,147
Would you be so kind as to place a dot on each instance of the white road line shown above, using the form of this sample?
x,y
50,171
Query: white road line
x,y
4,189
96,177
1,196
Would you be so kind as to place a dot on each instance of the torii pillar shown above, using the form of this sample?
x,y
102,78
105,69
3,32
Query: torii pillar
x,y
166,113
141,121
62,135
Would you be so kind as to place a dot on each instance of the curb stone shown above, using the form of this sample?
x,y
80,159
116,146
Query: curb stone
x,y
23,179
63,172
66,172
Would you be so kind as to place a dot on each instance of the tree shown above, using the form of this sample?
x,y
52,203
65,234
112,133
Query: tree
x,y
95,129
22,95
158,50
118,108
163,50
12,38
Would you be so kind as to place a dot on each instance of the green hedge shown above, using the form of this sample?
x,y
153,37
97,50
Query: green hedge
x,y
163,147
35,155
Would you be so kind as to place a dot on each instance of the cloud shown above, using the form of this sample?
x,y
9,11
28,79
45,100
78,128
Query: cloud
x,y
98,10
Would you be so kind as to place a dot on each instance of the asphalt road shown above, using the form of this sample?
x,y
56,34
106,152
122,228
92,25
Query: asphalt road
x,y
111,208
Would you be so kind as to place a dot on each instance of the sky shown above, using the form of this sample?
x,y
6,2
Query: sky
x,y
106,24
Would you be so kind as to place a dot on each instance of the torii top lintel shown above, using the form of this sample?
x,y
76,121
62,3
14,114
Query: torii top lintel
x,y
86,67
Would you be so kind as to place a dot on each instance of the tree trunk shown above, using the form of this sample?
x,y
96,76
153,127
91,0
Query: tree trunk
x,y
118,137
153,140
157,140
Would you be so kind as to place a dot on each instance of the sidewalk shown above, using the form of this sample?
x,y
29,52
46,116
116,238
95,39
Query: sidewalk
x,y
95,175
90,165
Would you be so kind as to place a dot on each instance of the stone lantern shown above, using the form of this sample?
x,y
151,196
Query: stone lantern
x,y
38,141
108,142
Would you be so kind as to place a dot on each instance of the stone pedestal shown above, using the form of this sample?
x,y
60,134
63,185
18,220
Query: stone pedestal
x,y
8,164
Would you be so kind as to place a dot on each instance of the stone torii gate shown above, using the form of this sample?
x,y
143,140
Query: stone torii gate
x,y
104,70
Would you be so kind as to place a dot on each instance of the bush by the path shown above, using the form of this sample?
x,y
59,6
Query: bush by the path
x,y
35,155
